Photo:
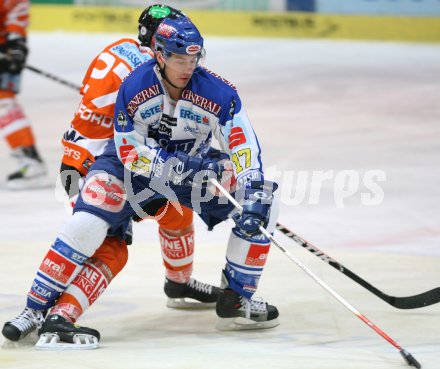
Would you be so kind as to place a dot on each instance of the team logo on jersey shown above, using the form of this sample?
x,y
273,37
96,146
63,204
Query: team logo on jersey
x,y
193,49
122,120
232,109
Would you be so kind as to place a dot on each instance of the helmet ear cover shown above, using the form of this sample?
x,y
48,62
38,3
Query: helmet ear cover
x,y
150,19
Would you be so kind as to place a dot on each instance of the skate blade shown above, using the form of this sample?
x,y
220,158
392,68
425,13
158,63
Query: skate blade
x,y
51,341
242,324
189,304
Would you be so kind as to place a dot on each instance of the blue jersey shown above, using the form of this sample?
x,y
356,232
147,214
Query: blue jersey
x,y
150,127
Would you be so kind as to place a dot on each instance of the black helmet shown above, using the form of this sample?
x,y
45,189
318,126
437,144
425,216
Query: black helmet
x,y
150,19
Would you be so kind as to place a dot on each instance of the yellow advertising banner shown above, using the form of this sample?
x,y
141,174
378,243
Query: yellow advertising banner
x,y
248,24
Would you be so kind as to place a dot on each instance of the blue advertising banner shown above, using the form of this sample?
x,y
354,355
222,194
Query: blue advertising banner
x,y
380,7
301,5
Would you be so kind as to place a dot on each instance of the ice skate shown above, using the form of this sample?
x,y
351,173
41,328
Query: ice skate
x,y
22,325
31,171
191,295
236,312
57,333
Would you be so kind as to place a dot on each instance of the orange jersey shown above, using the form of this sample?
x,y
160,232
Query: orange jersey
x,y
14,18
92,125
94,118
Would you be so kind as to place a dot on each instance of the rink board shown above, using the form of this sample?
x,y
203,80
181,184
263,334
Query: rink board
x,y
250,24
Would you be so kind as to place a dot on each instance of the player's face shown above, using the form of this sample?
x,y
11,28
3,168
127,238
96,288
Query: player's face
x,y
180,68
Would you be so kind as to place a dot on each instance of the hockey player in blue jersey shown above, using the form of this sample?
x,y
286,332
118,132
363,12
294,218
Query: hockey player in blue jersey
x,y
167,113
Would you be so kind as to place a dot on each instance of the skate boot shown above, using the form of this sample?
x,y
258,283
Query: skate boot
x,y
236,312
31,171
22,325
57,333
191,295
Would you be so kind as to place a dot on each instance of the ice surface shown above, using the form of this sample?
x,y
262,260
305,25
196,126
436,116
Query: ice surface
x,y
344,110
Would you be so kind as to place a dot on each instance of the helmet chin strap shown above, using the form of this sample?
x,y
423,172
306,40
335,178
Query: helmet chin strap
x,y
164,76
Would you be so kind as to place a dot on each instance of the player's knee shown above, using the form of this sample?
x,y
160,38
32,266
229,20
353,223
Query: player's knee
x,y
113,253
84,232
176,217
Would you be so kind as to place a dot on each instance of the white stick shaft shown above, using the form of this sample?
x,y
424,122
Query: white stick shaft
x,y
226,193
309,272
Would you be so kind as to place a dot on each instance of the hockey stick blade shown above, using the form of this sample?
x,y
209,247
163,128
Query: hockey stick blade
x,y
405,302
410,359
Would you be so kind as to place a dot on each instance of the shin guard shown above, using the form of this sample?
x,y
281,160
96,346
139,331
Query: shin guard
x,y
178,253
79,238
60,265
93,279
176,234
245,260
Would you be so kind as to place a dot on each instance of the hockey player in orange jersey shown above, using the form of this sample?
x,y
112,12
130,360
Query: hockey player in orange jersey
x,y
91,129
14,125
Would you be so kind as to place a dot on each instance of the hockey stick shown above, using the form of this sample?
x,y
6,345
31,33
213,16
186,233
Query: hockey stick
x,y
407,302
405,354
53,77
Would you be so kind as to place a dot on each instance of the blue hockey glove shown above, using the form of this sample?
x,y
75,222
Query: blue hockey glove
x,y
13,55
256,203
196,171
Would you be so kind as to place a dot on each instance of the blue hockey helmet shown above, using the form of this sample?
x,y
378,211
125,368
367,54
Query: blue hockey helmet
x,y
150,19
178,36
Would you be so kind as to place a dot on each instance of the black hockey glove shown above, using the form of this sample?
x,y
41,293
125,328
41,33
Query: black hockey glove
x,y
256,202
13,56
192,171
216,155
